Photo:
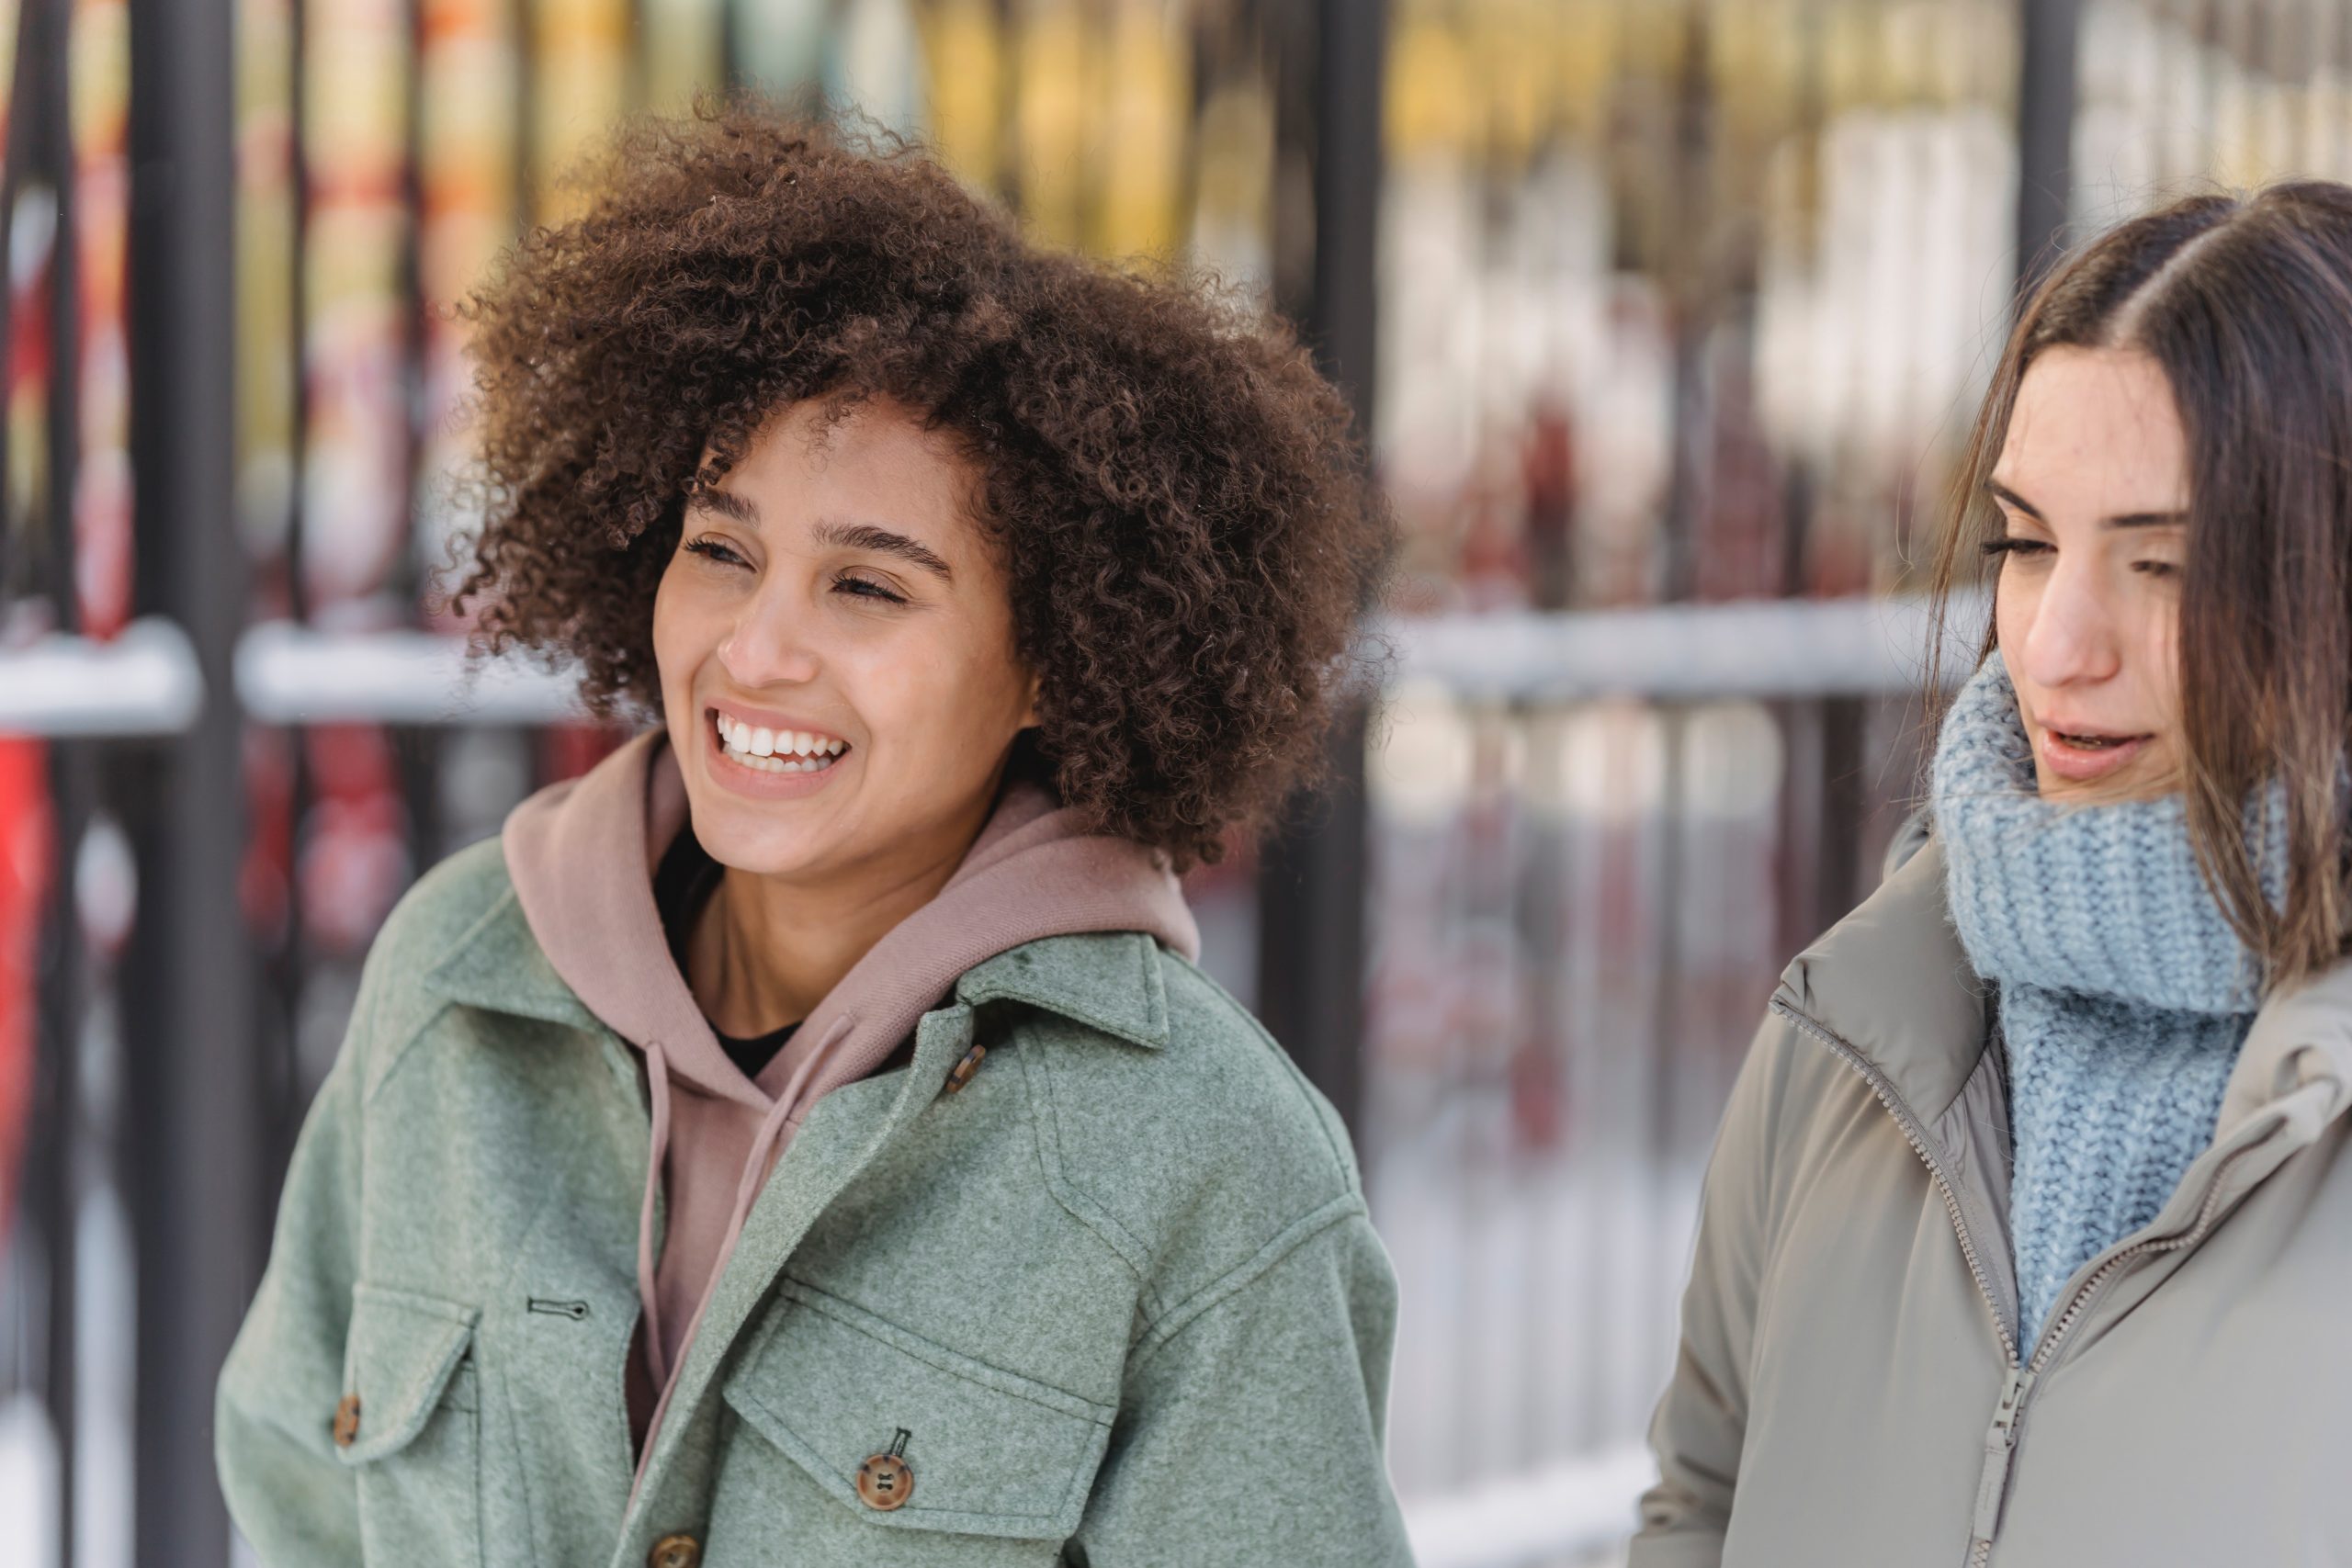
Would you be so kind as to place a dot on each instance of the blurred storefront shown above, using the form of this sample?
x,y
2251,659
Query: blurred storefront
x,y
1664,315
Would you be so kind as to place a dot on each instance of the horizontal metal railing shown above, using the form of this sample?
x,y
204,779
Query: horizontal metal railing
x,y
145,682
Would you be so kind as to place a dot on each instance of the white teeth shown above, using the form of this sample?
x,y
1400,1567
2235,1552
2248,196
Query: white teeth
x,y
776,751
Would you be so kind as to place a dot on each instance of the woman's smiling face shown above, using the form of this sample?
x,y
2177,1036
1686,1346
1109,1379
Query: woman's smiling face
x,y
836,648
2093,486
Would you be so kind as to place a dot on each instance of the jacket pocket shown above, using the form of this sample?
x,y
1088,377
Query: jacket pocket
x,y
989,1452
415,1441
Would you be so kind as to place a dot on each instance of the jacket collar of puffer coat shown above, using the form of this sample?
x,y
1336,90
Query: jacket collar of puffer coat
x,y
1891,983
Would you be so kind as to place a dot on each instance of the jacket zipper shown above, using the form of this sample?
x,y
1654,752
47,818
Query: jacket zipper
x,y
2017,1389
1994,1485
2000,1440
1917,1136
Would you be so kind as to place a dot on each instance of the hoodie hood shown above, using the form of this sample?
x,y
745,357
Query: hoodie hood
x,y
582,855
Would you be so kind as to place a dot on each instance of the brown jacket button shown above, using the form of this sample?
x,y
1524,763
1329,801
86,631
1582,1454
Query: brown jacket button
x,y
884,1482
963,1071
346,1421
674,1552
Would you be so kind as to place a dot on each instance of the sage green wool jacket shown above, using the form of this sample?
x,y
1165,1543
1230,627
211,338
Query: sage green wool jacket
x,y
1117,1301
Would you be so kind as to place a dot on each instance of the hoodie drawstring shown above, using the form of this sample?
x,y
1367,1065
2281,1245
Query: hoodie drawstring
x,y
747,1192
656,1072
755,1165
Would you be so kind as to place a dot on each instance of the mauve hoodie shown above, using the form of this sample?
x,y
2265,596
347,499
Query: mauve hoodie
x,y
582,855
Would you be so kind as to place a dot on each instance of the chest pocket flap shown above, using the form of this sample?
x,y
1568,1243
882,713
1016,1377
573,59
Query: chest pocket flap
x,y
990,1452
405,1351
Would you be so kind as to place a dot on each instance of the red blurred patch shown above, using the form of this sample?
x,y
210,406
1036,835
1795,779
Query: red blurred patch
x,y
26,836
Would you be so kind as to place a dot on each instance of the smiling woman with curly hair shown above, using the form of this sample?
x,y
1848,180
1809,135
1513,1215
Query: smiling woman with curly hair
x,y
807,1136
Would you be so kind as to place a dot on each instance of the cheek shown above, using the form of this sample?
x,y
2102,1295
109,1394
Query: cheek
x,y
680,639
953,693
665,631
2013,606
2160,657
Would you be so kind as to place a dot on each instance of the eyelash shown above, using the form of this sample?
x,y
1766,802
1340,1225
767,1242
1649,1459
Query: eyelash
x,y
711,549
2013,545
866,588
717,552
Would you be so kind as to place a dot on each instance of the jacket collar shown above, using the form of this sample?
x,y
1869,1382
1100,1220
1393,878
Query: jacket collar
x,y
1109,981
496,965
1892,981
2299,1049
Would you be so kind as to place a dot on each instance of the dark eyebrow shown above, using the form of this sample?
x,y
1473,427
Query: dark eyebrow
x,y
726,503
882,541
840,535
2002,492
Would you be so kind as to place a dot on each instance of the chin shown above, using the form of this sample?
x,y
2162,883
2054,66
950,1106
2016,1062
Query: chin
x,y
2150,782
760,849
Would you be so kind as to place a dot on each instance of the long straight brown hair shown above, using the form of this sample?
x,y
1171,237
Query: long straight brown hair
x,y
2246,304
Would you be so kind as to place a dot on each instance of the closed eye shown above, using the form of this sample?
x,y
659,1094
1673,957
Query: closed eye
x,y
714,549
866,588
2015,545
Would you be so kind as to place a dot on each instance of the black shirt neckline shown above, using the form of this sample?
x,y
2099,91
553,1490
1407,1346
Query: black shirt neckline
x,y
683,884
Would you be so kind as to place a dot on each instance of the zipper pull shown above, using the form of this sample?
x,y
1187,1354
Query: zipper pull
x,y
2000,1443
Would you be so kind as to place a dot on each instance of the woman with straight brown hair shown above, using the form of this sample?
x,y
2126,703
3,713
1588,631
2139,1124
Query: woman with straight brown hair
x,y
2028,1236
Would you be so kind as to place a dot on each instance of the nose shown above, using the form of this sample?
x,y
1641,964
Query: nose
x,y
769,644
2071,638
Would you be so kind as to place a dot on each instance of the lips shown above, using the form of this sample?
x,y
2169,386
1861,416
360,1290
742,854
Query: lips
x,y
769,756
2081,756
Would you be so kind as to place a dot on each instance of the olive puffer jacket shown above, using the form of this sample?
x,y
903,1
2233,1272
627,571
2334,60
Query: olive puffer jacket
x,y
1852,1391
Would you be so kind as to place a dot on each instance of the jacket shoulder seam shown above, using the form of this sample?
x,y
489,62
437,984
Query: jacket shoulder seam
x,y
1046,1115
1350,1179
1167,1326
407,971
380,1073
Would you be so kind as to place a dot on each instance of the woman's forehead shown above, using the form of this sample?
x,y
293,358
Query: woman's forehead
x,y
2096,433
871,459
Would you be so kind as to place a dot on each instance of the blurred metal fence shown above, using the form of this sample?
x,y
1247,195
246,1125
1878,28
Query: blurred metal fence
x,y
1676,303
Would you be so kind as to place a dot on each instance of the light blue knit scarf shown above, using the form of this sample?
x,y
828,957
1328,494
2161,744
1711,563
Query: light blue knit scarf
x,y
2123,993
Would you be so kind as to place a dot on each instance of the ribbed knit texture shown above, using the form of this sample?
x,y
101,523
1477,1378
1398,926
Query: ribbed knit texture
x,y
2125,994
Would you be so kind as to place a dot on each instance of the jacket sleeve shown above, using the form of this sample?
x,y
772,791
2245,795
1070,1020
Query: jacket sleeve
x,y
1701,1421
273,1410
1251,1427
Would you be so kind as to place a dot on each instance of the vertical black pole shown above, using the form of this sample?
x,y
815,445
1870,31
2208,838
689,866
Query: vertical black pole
x,y
2050,32
195,1077
1311,875
44,149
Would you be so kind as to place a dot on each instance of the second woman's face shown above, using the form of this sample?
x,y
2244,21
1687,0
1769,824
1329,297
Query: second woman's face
x,y
2093,488
836,648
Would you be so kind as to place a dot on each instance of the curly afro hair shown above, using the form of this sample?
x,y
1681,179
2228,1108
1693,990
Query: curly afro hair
x,y
1189,528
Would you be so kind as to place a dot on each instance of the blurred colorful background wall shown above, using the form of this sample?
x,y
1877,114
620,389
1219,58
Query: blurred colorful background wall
x,y
1663,317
